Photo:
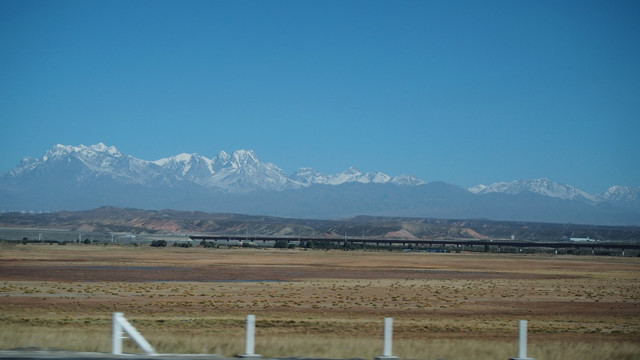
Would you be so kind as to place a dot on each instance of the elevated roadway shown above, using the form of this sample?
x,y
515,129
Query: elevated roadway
x,y
428,243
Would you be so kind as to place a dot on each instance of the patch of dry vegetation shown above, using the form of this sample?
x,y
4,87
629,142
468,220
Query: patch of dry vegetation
x,y
317,303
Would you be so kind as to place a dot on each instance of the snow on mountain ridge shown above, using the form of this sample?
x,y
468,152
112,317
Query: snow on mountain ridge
x,y
94,161
240,170
242,167
621,193
352,174
180,158
102,167
81,150
190,166
539,186
308,177
244,157
407,180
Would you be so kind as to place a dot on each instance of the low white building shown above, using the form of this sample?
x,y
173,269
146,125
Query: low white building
x,y
583,239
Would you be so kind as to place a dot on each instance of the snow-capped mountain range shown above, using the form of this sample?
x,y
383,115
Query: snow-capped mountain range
x,y
549,188
240,171
82,177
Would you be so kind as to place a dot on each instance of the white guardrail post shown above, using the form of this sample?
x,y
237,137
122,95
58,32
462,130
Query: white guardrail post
x,y
249,349
116,335
121,326
388,341
522,341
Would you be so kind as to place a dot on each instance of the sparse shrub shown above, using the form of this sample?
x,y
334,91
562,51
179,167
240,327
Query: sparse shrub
x,y
182,245
281,244
159,243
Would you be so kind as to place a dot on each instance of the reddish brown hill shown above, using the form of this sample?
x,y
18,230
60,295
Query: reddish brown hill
x,y
134,221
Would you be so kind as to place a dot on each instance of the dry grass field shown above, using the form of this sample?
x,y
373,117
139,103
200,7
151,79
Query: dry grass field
x,y
327,304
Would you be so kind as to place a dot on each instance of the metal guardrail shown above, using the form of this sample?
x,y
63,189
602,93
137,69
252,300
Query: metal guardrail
x,y
121,326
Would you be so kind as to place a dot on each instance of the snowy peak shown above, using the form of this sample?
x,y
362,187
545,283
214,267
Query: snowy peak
x,y
619,193
378,178
540,186
352,171
407,180
242,171
236,160
308,176
87,164
222,159
91,155
191,166
244,157
352,174
177,159
239,171
625,197
94,175
25,166
87,152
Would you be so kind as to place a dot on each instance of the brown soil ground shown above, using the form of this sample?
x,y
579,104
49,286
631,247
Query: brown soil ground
x,y
343,294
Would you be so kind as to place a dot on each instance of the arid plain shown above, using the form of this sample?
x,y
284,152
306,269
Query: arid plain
x,y
316,303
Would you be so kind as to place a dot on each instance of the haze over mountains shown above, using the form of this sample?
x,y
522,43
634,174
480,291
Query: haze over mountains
x,y
84,177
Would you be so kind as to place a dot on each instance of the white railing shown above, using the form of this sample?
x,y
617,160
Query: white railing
x,y
249,350
522,342
122,326
387,341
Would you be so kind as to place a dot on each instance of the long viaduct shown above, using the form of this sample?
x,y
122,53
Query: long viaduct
x,y
431,244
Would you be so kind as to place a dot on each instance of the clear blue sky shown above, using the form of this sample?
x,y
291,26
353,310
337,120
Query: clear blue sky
x,y
465,92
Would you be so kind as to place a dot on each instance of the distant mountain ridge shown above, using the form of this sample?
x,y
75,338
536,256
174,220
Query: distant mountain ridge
x,y
240,171
84,177
141,222
549,188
